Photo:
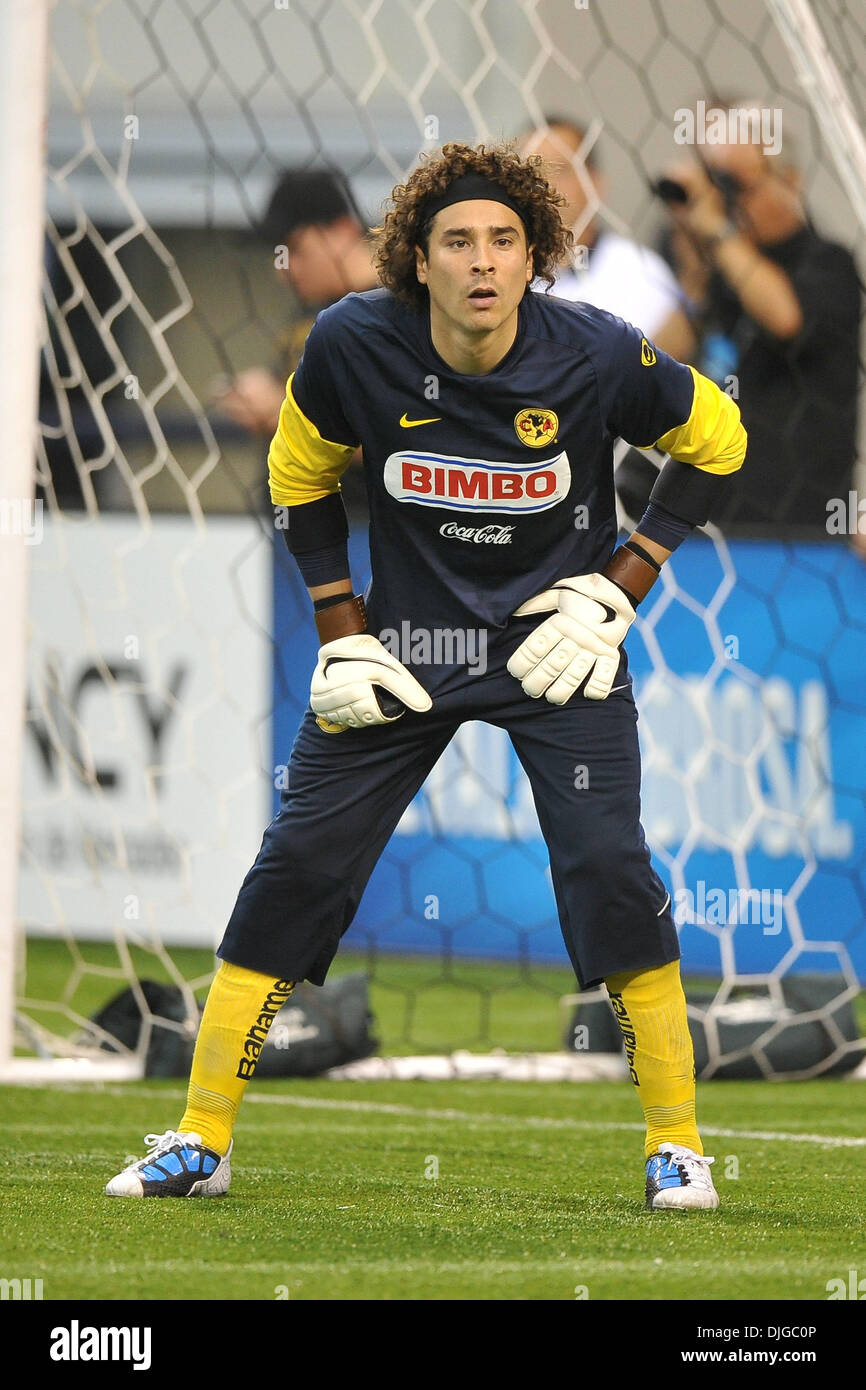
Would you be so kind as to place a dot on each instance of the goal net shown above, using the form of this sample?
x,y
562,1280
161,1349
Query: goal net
x,y
170,640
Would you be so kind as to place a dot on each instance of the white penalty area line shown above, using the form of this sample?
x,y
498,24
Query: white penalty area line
x,y
374,1107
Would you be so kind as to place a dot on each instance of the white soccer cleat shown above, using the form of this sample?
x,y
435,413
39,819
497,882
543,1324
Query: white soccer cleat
x,y
678,1179
176,1165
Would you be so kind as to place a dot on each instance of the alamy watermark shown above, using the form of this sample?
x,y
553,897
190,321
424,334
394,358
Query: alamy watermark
x,y
20,1289
734,125
22,516
437,646
721,907
853,1287
77,1343
846,516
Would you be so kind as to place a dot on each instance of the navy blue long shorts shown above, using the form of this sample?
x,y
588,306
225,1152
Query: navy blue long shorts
x,y
347,791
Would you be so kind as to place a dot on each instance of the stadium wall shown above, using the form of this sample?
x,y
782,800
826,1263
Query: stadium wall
x,y
148,731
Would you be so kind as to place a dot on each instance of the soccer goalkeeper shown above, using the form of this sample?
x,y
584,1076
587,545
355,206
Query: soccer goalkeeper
x,y
487,413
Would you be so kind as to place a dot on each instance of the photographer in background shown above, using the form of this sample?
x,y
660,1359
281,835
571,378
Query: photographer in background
x,y
619,274
778,307
313,215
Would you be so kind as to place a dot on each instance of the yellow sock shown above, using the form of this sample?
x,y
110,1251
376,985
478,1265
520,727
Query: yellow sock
x,y
240,1008
650,1007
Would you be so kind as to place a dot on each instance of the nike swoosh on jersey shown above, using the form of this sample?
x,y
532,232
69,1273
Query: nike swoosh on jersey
x,y
410,424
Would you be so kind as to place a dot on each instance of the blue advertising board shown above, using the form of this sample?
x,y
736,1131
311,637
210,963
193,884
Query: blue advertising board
x,y
749,670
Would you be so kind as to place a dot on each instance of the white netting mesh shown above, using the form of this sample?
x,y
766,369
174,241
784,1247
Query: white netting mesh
x,y
148,761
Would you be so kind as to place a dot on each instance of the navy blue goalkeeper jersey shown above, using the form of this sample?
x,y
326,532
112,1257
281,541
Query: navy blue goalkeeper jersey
x,y
485,489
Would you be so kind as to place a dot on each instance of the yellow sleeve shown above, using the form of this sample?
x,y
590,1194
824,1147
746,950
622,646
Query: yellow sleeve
x,y
713,437
302,466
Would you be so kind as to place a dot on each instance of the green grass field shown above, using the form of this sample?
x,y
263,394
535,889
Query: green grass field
x,y
539,1193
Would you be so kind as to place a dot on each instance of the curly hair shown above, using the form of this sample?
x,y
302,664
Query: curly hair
x,y
404,228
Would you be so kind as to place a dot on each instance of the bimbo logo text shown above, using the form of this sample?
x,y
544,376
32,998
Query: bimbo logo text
x,y
476,485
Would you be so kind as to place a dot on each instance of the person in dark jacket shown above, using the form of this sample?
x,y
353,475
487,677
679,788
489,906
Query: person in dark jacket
x,y
779,310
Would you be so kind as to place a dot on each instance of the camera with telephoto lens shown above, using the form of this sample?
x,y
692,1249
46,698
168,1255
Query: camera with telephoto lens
x,y
670,191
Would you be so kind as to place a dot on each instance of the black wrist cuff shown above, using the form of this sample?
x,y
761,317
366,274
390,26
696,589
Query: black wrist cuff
x,y
330,601
638,550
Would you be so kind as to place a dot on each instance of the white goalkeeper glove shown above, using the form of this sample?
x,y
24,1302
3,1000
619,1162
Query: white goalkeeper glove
x,y
591,616
354,680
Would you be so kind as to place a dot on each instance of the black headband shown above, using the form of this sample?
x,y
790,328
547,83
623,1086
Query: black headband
x,y
465,187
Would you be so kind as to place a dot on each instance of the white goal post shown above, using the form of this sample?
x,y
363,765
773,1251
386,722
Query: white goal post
x,y
23,84
23,68
819,76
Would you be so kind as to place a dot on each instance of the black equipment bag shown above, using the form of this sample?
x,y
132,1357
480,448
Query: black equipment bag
x,y
320,1027
169,1051
798,1045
